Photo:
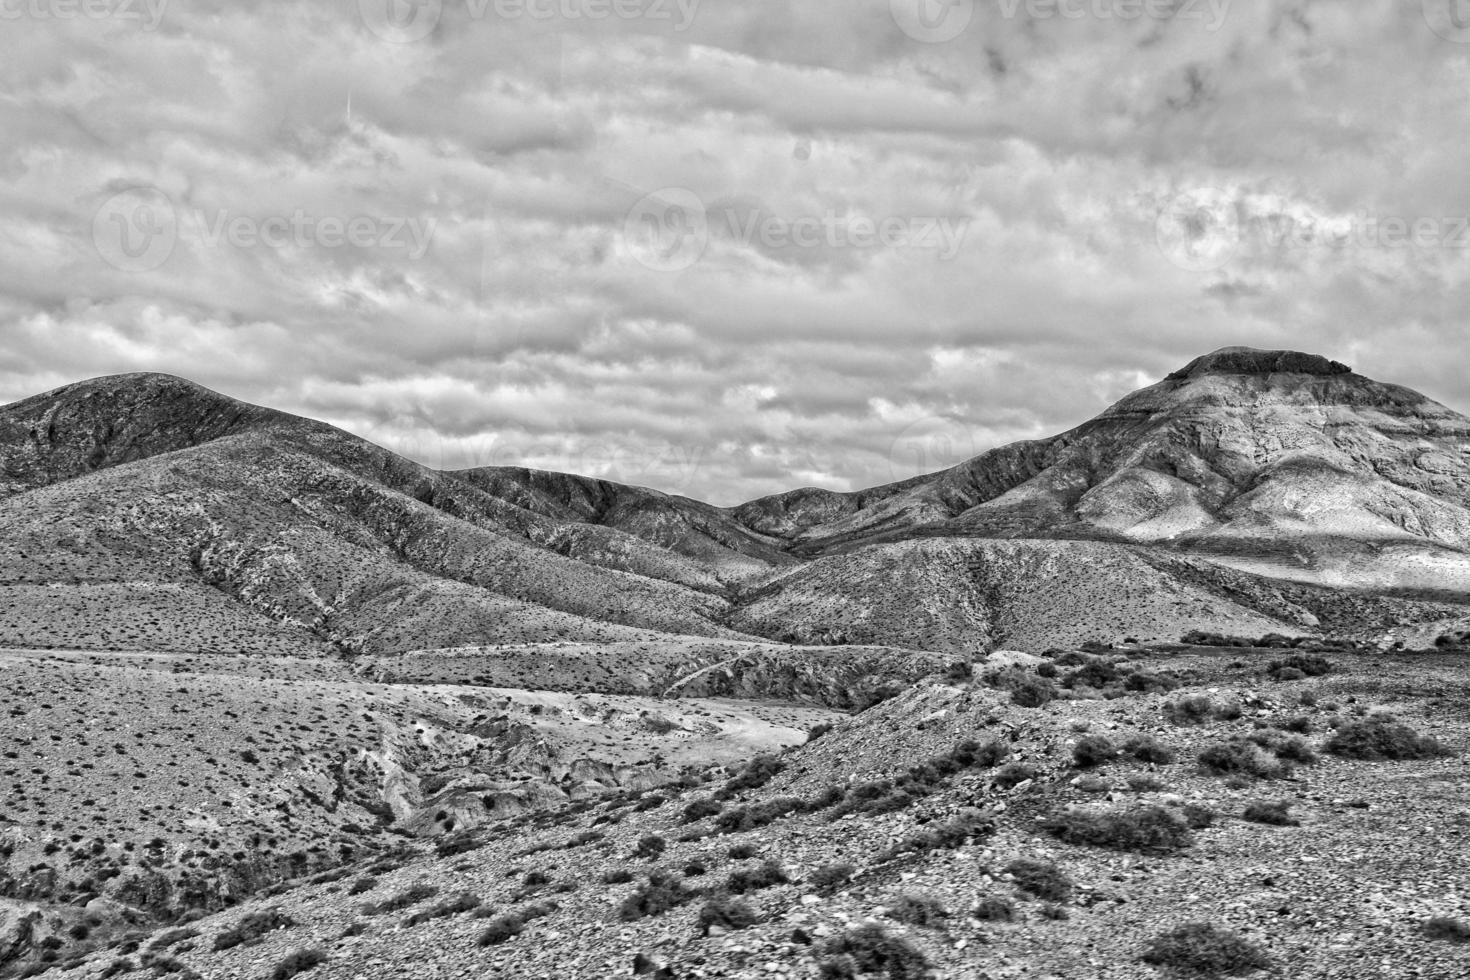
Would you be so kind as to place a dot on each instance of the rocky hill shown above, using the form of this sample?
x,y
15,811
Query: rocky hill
x,y
1286,466
1180,812
1288,463
278,699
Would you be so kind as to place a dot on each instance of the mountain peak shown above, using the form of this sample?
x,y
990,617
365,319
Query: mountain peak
x,y
1249,360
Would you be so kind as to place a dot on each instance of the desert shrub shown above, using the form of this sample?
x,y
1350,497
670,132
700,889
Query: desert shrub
x,y
959,672
651,801
1193,710
1229,711
116,968
660,893
757,772
869,950
1093,750
1034,692
617,877
252,927
742,819
1040,878
1054,912
1294,749
727,913
1145,784
1014,774
1095,674
363,884
742,852
1205,948
1146,748
1446,929
1146,829
298,962
1300,724
1275,814
1299,666
650,846
886,796
701,808
172,937
830,878
1145,682
923,911
1239,756
501,929
830,796
695,868
951,833
994,908
1093,784
1378,739
818,730
1198,817
457,845
767,875
535,879
463,902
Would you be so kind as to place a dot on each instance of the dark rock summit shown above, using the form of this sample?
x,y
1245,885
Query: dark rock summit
x,y
1248,360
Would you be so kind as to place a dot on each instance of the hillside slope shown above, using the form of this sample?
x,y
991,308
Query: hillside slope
x,y
1282,459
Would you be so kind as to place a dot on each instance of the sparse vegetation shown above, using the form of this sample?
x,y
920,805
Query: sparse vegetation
x,y
1206,949
1241,756
968,825
1378,739
1092,751
657,895
650,847
1146,748
830,878
1275,813
252,927
766,875
923,911
298,962
726,913
869,950
1446,929
994,908
1146,829
1040,878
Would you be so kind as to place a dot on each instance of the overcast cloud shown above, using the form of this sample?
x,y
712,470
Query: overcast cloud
x,y
732,247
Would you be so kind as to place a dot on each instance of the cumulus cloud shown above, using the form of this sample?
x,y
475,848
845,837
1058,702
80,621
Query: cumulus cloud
x,y
735,248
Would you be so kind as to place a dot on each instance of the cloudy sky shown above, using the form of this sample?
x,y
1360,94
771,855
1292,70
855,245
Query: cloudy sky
x,y
729,247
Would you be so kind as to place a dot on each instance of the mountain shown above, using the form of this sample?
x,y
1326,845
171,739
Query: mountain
x,y
1280,462
237,525
248,654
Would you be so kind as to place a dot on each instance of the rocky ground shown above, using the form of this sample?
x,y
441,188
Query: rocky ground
x,y
1340,885
142,787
